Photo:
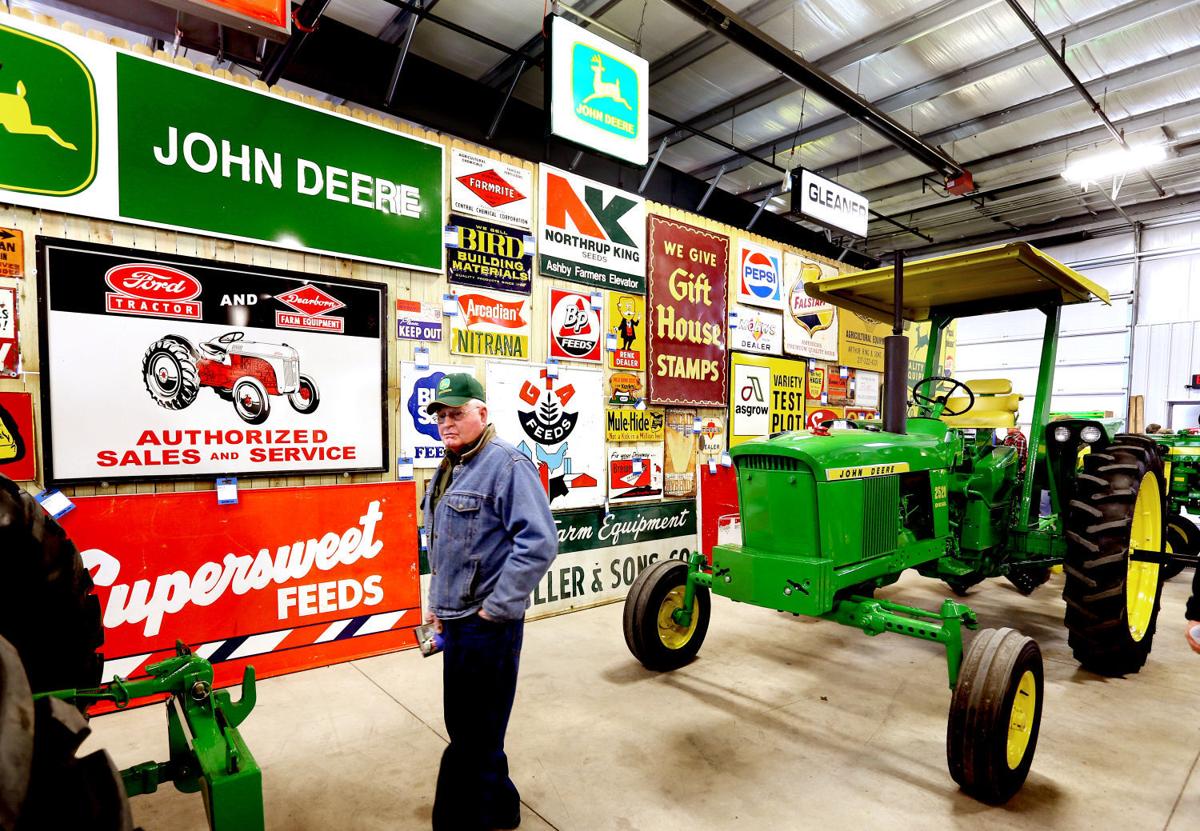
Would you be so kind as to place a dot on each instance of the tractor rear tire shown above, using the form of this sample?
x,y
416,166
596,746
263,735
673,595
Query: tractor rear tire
x,y
1113,600
16,735
995,714
48,611
1182,538
169,373
651,634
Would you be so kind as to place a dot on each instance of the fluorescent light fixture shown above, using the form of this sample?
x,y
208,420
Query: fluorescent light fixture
x,y
1114,163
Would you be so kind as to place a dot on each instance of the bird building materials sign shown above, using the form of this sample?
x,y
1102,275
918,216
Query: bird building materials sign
x,y
599,93
555,416
602,551
635,472
626,424
165,367
10,334
590,233
483,255
100,132
576,333
679,453
492,323
756,330
689,269
627,331
760,275
810,326
419,436
490,189
829,204
285,579
12,253
766,396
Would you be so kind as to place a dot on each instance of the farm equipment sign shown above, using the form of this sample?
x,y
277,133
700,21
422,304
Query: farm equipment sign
x,y
556,419
766,396
286,579
164,367
688,282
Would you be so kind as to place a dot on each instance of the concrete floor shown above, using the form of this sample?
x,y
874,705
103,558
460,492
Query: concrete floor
x,y
781,722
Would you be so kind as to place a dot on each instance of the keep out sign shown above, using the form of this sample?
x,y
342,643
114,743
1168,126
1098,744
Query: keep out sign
x,y
286,579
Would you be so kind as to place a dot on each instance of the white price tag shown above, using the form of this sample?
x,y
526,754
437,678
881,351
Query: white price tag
x,y
227,491
610,342
421,356
551,368
55,503
450,305
726,459
597,301
733,320
404,468
698,425
712,467
844,371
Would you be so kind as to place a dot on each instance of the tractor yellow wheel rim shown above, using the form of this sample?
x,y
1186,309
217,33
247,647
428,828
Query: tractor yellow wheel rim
x,y
1141,583
672,635
1020,720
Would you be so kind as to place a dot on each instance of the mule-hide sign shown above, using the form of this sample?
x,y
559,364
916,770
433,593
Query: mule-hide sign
x,y
163,367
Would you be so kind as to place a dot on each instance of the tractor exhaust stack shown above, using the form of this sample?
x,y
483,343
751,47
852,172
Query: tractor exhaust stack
x,y
895,360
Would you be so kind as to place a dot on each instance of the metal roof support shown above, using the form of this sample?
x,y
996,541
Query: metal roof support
x,y
776,55
711,187
408,36
504,104
653,164
575,160
305,18
1061,61
900,225
535,45
761,206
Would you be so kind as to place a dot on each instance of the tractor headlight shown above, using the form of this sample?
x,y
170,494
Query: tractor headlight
x,y
1062,434
1090,434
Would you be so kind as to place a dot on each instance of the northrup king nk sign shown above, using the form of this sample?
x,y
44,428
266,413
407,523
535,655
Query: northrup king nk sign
x,y
94,131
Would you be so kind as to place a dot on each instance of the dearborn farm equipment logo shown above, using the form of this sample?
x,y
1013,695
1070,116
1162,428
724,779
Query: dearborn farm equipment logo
x,y
47,117
604,91
310,304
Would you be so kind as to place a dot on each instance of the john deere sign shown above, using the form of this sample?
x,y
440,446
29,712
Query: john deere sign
x,y
598,93
98,132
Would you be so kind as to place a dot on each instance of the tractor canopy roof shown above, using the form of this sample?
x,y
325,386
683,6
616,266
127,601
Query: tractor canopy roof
x,y
1001,278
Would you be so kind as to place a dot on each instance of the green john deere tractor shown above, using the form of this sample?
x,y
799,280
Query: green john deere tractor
x,y
1182,465
830,516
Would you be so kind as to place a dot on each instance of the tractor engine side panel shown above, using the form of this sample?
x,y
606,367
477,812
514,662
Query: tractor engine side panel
x,y
243,365
777,496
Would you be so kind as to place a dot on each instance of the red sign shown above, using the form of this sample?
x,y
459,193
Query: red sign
x,y
816,417
10,338
575,328
689,270
284,580
16,436
477,308
152,289
310,300
716,506
492,188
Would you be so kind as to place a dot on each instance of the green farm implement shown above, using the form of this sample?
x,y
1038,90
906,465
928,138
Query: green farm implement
x,y
1182,462
830,516
50,670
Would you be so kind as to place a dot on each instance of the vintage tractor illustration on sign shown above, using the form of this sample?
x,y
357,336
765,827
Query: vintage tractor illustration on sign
x,y
245,372
830,516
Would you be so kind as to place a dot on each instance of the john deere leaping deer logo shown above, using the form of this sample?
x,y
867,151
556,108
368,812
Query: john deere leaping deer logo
x,y
16,118
605,91
47,117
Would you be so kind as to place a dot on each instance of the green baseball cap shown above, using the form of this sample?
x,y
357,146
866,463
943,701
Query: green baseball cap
x,y
454,390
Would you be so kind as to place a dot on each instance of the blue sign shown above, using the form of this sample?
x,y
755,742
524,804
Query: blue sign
x,y
417,320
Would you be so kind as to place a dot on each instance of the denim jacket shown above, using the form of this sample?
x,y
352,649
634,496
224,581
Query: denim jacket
x,y
491,537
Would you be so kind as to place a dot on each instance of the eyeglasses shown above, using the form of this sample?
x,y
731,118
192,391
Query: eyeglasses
x,y
452,415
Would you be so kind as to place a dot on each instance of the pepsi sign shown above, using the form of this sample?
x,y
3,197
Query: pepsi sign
x,y
760,275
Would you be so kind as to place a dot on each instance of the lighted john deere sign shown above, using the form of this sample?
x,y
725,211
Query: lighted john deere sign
x,y
90,130
599,93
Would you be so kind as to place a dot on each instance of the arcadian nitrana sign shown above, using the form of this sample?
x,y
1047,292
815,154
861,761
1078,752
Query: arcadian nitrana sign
x,y
599,93
98,132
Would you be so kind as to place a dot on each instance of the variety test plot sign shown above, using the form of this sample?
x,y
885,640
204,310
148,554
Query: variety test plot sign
x,y
160,367
766,395
108,134
286,579
688,281
590,233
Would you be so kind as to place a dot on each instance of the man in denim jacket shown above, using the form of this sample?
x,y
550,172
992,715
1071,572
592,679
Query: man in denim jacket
x,y
491,539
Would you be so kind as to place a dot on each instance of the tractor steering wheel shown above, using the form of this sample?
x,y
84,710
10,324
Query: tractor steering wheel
x,y
941,400
231,337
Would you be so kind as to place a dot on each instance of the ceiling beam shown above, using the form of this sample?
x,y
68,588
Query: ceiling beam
x,y
501,75
800,71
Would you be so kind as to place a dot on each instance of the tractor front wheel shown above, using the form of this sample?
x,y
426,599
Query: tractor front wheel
x,y
251,401
1182,538
652,629
306,397
995,714
1112,595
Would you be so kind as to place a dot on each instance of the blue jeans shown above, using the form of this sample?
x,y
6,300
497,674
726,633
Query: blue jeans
x,y
479,681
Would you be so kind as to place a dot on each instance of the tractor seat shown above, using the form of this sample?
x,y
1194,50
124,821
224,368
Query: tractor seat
x,y
995,406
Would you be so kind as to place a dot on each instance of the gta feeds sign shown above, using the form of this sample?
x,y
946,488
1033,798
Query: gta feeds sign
x,y
98,132
590,233
157,367
828,203
599,93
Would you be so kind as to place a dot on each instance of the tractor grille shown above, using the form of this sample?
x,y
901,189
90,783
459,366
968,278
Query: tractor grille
x,y
291,371
764,462
881,514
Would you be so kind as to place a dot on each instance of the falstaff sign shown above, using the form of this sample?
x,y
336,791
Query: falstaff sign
x,y
99,132
689,270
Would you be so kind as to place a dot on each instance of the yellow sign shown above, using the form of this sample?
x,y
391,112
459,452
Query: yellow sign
x,y
12,253
918,346
625,315
633,425
766,395
860,341
816,383
836,474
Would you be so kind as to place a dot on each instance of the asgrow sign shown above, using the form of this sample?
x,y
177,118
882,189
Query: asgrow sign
x,y
98,132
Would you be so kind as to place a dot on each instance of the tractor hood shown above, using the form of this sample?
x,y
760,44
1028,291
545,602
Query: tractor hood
x,y
857,454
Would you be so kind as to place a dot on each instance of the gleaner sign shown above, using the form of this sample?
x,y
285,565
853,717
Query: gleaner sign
x,y
828,203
